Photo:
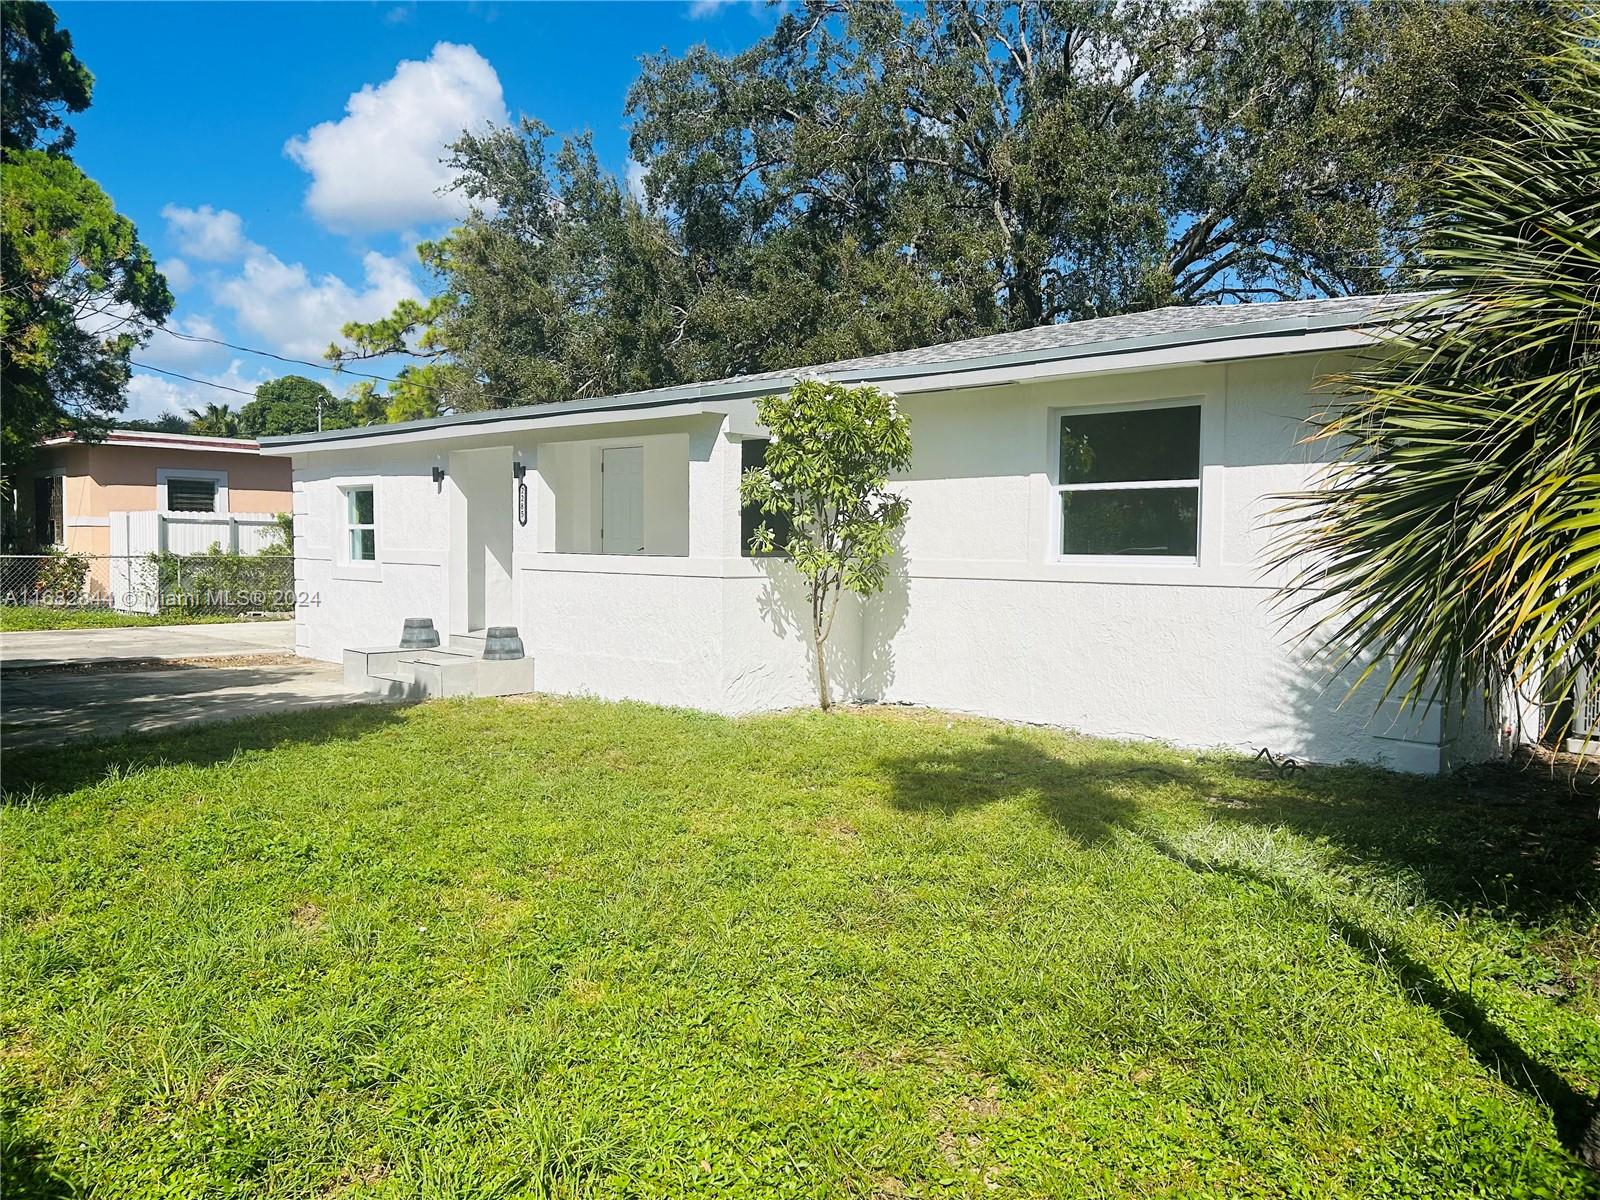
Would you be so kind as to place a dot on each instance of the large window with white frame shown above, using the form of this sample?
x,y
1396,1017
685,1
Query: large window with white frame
x,y
1129,482
360,523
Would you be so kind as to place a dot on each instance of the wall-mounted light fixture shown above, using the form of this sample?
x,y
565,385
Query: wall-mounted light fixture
x,y
518,469
438,478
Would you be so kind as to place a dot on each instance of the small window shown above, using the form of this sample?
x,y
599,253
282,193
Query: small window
x,y
1130,482
191,495
49,510
361,526
753,454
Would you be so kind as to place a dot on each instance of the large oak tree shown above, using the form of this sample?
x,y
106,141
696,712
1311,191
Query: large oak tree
x,y
870,177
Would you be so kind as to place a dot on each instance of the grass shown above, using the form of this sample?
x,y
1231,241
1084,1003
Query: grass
x,y
571,948
17,618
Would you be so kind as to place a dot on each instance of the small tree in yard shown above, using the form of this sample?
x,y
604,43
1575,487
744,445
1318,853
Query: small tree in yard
x,y
827,469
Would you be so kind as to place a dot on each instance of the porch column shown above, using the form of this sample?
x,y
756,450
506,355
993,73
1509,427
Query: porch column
x,y
714,464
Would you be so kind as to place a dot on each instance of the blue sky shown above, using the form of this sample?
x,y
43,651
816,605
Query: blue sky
x,y
280,159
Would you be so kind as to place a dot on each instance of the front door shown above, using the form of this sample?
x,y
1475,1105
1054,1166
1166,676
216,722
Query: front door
x,y
480,539
622,500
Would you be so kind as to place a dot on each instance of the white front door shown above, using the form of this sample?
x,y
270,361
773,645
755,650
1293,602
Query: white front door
x,y
480,539
622,500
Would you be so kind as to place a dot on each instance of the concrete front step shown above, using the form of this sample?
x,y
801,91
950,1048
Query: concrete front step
x,y
424,674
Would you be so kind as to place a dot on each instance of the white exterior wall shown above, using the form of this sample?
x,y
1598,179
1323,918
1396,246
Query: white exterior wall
x,y
981,616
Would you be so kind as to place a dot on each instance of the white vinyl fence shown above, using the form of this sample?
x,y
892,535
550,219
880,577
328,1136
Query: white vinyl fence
x,y
137,535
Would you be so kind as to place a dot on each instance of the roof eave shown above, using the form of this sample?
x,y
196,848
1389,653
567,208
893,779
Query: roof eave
x,y
1284,335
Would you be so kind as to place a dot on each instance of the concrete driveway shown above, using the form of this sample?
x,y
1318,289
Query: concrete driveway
x,y
52,707
69,685
64,647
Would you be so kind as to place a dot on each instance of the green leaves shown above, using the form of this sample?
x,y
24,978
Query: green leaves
x,y
1457,539
827,470
81,292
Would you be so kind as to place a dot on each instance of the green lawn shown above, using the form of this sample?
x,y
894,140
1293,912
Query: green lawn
x,y
570,948
16,618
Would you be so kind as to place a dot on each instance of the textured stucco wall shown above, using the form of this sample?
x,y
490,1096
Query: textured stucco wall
x,y
103,478
981,614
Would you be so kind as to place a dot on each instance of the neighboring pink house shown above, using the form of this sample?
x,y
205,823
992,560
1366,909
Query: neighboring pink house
x,y
68,495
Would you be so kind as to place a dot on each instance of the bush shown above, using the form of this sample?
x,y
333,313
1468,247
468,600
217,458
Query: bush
x,y
53,578
225,580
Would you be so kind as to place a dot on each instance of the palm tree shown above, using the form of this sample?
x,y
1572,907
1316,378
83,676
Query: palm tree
x,y
1456,541
1455,544
216,420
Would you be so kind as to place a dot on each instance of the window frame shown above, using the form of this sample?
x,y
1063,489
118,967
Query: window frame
x,y
781,527
58,487
352,526
1058,489
219,495
344,566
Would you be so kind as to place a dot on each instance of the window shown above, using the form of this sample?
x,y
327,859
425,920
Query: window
x,y
191,495
361,525
49,525
753,453
1130,482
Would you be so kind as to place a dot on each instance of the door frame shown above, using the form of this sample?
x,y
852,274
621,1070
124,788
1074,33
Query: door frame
x,y
481,577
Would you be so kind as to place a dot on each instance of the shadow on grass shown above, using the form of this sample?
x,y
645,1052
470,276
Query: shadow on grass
x,y
1524,846
1513,839
1494,1049
25,1170
1085,800
39,774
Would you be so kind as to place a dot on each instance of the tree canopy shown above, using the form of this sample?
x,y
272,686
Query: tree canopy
x,y
80,293
870,177
78,290
289,404
214,420
43,79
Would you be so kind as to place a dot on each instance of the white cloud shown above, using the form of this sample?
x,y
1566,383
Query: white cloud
x,y
151,396
299,315
206,233
699,10
635,176
177,345
379,167
178,276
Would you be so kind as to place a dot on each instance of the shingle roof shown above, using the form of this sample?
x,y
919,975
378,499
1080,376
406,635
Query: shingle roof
x,y
1155,329
1177,320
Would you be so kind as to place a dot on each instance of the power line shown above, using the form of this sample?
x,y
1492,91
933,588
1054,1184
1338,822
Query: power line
x,y
304,362
221,387
435,390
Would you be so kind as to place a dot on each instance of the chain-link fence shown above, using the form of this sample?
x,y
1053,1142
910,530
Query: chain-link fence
x,y
205,584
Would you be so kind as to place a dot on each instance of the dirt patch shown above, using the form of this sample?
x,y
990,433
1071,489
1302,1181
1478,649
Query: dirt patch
x,y
839,831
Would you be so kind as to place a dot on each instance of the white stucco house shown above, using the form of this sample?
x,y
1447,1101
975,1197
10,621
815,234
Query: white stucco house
x,y
1121,592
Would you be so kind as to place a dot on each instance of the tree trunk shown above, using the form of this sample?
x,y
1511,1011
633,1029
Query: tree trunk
x,y
822,667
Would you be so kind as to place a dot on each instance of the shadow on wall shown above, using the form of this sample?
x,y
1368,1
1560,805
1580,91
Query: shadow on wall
x,y
1327,718
1520,844
860,649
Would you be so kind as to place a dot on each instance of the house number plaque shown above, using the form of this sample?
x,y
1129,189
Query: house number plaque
x,y
522,503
